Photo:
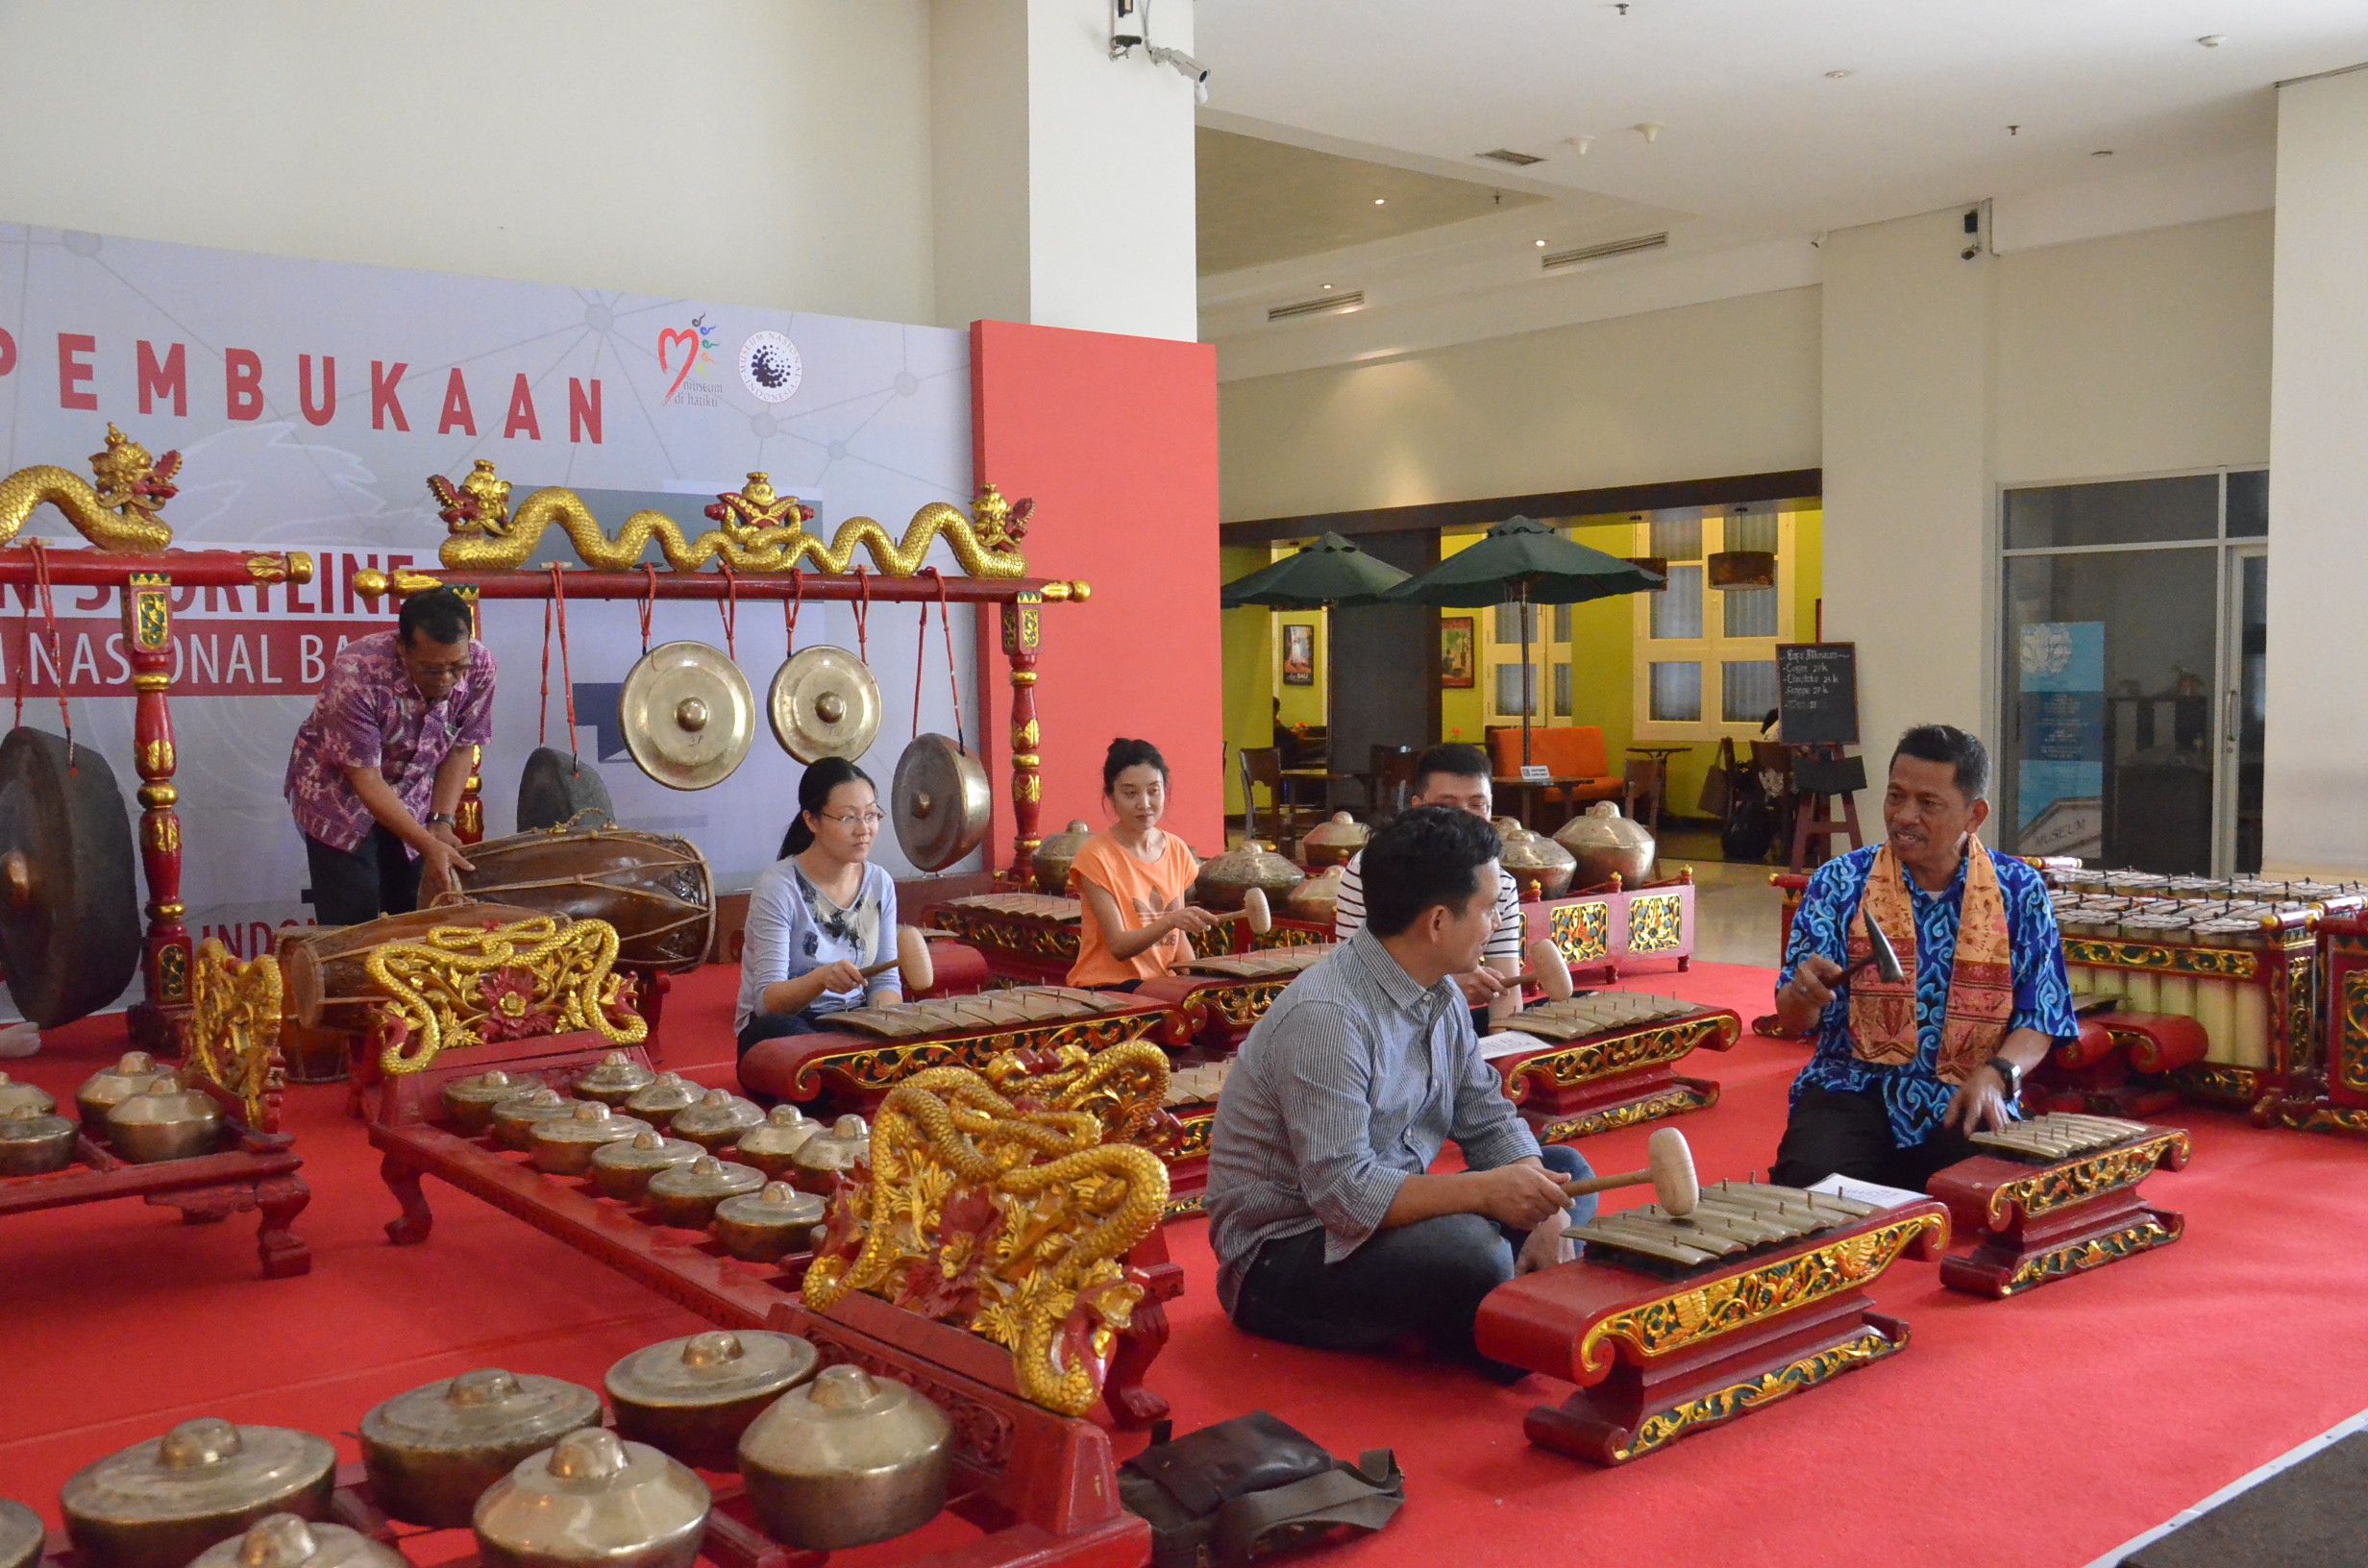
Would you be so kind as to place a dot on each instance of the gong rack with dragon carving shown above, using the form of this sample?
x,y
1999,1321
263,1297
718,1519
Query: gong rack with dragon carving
x,y
537,1000
232,1039
130,551
760,548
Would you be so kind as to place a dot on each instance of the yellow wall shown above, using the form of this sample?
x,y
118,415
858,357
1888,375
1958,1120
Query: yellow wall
x,y
1301,704
1250,672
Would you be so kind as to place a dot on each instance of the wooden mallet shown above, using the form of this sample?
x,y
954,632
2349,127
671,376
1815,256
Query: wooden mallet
x,y
1548,971
1668,1168
1254,909
915,967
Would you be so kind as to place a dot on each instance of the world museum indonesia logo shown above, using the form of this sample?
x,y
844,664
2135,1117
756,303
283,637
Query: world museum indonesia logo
x,y
771,367
687,353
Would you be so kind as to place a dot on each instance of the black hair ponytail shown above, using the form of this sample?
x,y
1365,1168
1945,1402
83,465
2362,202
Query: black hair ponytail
x,y
1124,754
813,795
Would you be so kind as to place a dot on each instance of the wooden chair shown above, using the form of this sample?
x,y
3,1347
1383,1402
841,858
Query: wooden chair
x,y
1646,781
1262,767
1389,780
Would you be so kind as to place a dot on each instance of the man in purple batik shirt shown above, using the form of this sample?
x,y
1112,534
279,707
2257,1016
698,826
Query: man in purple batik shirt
x,y
378,770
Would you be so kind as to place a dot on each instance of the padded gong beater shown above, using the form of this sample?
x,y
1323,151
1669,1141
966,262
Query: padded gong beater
x,y
823,703
69,912
557,787
941,802
688,715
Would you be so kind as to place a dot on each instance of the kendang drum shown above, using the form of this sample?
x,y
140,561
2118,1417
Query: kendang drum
x,y
327,966
654,888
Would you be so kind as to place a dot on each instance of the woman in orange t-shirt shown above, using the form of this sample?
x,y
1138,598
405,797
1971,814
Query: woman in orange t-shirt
x,y
1133,878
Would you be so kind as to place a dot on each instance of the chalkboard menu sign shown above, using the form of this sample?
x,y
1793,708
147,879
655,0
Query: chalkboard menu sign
x,y
1818,694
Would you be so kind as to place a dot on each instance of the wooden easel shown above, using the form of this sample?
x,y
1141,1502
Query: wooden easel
x,y
1821,777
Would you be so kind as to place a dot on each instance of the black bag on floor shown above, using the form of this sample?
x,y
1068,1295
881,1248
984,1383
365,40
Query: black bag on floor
x,y
1252,1488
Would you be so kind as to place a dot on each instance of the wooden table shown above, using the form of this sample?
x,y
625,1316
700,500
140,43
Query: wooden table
x,y
1525,791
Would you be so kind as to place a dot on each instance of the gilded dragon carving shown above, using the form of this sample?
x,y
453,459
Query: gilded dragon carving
x,y
233,1032
759,530
462,985
119,514
995,1202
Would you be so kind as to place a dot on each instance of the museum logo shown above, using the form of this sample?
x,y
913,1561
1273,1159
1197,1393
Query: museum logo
x,y
771,367
687,353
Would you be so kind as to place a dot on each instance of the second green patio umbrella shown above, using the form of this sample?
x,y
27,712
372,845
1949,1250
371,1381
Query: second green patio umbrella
x,y
1527,563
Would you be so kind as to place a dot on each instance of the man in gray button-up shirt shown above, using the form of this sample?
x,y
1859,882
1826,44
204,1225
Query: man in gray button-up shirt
x,y
1329,1229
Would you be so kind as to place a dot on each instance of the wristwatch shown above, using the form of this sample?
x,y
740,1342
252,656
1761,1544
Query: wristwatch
x,y
2010,1075
444,817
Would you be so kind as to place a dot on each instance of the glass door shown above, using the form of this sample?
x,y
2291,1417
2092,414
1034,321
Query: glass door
x,y
2244,710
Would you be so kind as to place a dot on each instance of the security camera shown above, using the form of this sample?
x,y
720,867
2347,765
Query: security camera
x,y
1191,69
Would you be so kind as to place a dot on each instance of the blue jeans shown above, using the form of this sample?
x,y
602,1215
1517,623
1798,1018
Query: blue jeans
x,y
1427,1278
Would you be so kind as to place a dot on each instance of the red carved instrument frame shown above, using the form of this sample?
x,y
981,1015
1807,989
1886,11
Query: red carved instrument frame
x,y
2033,1223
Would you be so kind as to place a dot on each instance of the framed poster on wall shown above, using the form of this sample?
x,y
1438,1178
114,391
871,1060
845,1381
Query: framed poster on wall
x,y
1298,655
1455,662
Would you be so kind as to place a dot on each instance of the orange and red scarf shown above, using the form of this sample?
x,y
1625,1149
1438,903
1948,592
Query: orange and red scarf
x,y
1883,1026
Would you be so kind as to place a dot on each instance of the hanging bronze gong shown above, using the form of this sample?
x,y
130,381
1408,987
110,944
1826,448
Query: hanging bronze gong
x,y
69,912
823,703
688,715
556,788
941,802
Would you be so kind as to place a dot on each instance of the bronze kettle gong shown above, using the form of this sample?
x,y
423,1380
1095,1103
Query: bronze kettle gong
x,y
159,1503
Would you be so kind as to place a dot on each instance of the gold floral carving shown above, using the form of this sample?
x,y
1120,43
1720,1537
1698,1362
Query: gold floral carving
x,y
994,1203
760,530
1753,1295
2351,1047
1669,1102
2304,1116
2217,1081
2224,963
1243,1003
234,1030
2076,1181
462,985
2094,1253
1582,931
1010,934
1666,1426
885,1066
1193,1144
1656,922
2302,997
118,514
1604,1055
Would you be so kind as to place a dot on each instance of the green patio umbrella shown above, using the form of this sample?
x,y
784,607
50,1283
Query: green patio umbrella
x,y
1321,575
1527,563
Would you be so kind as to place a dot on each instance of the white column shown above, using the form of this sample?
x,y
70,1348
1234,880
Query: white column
x,y
1062,178
1910,559
2315,770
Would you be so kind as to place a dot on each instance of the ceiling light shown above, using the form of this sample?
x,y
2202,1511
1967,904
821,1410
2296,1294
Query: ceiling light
x,y
1327,285
1835,76
2212,40
1650,131
1541,244
1381,201
1580,144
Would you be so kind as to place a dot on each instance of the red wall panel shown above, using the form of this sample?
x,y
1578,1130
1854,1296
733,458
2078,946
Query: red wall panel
x,y
1116,440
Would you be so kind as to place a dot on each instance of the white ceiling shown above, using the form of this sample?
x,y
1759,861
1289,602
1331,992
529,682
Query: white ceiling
x,y
1756,135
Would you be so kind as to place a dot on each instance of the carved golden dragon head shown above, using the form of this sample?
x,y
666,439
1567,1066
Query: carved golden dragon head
x,y
1000,524
479,505
131,482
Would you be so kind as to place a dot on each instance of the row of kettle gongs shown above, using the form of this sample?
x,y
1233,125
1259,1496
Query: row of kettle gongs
x,y
688,719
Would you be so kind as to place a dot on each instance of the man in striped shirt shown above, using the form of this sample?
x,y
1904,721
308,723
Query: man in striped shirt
x,y
1457,777
1331,1229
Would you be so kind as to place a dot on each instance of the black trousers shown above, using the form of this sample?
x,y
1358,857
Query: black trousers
x,y
1848,1134
1427,1278
376,877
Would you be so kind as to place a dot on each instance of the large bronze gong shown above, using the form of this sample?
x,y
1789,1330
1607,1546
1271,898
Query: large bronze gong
x,y
557,787
823,703
941,802
688,715
69,910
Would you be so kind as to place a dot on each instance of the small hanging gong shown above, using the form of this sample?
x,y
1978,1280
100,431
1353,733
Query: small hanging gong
x,y
688,715
69,912
823,703
557,787
941,801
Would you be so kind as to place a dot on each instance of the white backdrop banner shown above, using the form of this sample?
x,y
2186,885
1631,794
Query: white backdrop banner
x,y
311,401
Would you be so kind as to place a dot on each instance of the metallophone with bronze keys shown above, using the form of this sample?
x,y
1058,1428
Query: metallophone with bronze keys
x,y
2057,1195
1701,1306
1605,1060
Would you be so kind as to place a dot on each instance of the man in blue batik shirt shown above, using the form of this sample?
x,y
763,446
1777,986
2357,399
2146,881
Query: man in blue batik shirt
x,y
1903,1072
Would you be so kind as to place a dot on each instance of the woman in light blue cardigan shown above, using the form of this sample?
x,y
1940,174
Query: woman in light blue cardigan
x,y
820,915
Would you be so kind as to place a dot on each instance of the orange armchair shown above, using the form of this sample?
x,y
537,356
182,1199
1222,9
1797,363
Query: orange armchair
x,y
1576,751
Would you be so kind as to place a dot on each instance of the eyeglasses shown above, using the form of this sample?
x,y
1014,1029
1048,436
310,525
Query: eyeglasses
x,y
857,819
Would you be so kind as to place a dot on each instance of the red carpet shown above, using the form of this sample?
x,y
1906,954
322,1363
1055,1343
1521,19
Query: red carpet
x,y
2037,1432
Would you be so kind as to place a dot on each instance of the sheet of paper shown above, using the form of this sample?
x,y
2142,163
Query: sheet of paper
x,y
1874,1193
